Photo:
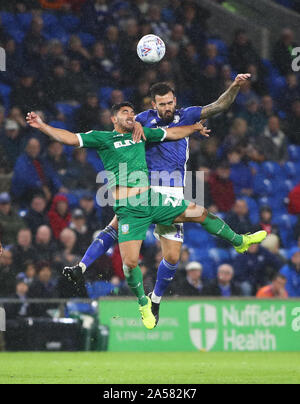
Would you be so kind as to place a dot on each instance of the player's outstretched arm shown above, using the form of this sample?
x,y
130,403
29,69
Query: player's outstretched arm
x,y
226,99
60,135
180,132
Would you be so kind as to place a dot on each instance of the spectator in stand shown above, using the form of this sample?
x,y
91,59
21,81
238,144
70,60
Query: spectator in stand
x,y
57,159
255,269
184,258
45,247
242,52
10,221
189,283
275,290
294,201
254,117
83,234
26,93
29,274
95,17
158,26
265,223
293,123
34,39
12,142
80,173
274,141
87,117
290,93
80,82
139,95
240,173
193,27
238,219
59,215
292,273
209,85
57,85
105,122
33,174
19,310
257,79
23,250
267,107
36,216
76,51
238,136
282,56
112,44
223,285
221,188
87,205
44,287
7,274
68,256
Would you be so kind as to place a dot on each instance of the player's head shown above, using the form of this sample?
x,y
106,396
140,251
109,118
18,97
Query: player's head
x,y
164,101
123,117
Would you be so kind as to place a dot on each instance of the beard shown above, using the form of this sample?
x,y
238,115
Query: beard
x,y
168,116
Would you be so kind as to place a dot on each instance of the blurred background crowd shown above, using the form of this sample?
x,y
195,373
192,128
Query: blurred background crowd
x,y
75,60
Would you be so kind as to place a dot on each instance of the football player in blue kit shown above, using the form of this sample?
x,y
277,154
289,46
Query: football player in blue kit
x,y
163,159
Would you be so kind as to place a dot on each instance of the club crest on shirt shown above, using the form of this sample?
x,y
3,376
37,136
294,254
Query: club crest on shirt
x,y
125,228
176,119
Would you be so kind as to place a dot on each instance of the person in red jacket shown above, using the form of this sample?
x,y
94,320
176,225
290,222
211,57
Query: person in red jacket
x,y
59,215
221,188
294,201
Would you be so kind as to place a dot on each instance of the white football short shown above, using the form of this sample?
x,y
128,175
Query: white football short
x,y
175,231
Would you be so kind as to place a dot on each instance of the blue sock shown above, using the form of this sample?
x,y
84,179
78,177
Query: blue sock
x,y
165,275
100,245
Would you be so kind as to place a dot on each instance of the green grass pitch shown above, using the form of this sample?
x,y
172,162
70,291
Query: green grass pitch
x,y
170,368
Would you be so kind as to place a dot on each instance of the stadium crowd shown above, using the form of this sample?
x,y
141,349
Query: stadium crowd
x,y
72,65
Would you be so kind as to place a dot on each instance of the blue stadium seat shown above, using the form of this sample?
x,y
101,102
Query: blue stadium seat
x,y
67,109
16,34
285,221
199,238
93,159
262,186
294,153
5,91
270,169
291,169
86,39
70,22
104,96
8,19
24,20
59,125
219,255
50,20
253,208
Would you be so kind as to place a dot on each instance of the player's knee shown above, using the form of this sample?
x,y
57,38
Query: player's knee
x,y
130,263
172,257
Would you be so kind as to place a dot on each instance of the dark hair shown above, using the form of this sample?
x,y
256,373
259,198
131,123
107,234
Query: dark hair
x,y
278,275
160,89
116,108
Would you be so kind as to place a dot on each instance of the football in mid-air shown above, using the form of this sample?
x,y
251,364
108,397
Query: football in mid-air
x,y
151,49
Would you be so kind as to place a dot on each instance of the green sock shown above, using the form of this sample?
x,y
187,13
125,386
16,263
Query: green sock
x,y
134,279
216,226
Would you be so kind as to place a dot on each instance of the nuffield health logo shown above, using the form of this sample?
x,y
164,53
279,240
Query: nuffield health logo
x,y
2,319
203,326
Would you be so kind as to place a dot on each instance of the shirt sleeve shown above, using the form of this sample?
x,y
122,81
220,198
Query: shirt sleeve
x,y
92,139
155,135
193,114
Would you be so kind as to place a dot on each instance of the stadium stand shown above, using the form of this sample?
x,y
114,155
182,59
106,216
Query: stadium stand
x,y
40,39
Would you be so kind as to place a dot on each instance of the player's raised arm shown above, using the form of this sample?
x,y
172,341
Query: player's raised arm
x,y
60,135
180,132
226,99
